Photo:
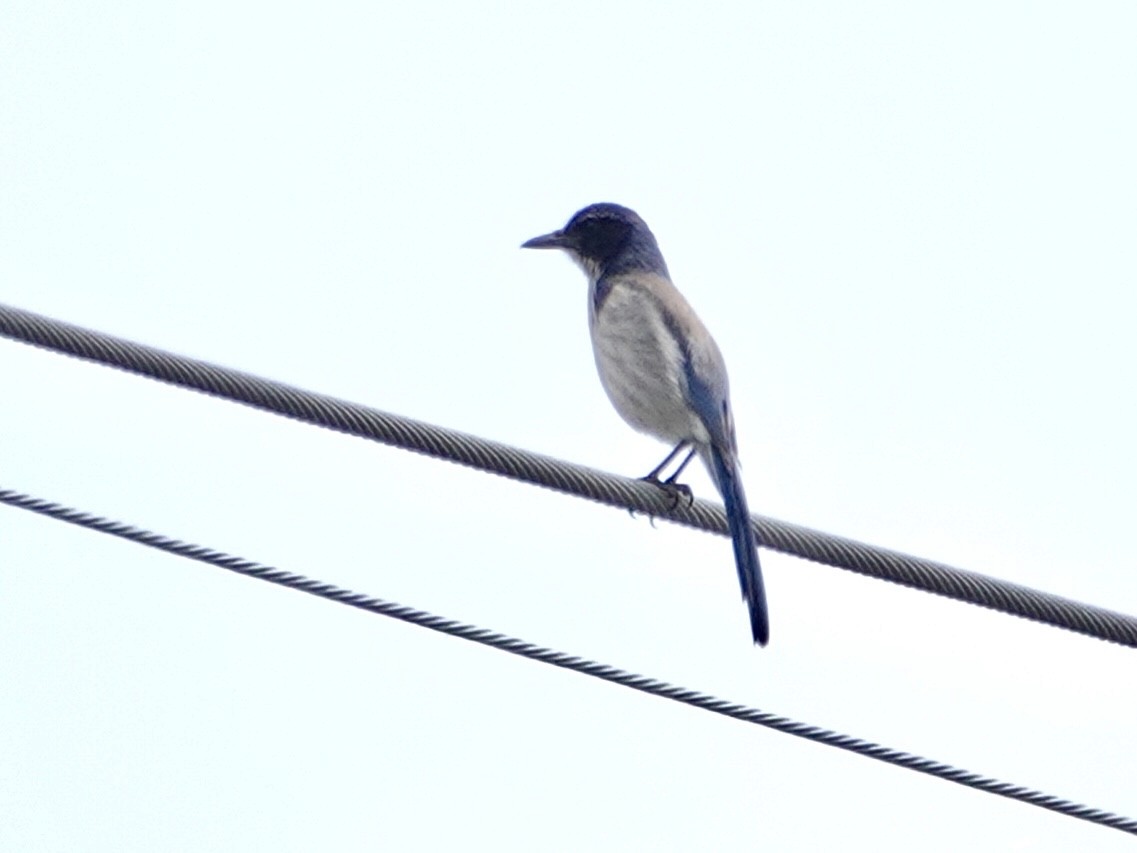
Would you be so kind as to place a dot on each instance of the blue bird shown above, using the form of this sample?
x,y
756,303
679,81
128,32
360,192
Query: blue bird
x,y
660,367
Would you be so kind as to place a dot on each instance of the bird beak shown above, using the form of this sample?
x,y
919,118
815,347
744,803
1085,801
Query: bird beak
x,y
552,240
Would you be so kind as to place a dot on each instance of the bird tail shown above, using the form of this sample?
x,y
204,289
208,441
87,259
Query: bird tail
x,y
726,477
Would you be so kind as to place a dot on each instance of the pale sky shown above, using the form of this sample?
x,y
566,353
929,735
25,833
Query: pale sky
x,y
911,229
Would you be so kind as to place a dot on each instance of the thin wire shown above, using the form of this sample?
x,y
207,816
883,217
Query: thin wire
x,y
496,458
515,646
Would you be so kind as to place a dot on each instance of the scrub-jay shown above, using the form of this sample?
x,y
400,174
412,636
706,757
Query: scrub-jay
x,y
660,366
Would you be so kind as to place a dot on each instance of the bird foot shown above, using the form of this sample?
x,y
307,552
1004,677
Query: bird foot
x,y
678,492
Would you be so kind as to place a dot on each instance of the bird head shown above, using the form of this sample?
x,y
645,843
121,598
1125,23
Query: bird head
x,y
603,236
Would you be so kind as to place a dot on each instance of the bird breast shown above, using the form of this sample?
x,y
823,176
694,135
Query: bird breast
x,y
641,363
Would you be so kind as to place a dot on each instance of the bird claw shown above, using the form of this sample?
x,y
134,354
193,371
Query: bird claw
x,y
681,492
650,518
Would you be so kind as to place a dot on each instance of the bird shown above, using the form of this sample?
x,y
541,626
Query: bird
x,y
660,367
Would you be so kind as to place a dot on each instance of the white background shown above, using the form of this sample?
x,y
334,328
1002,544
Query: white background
x,y
911,229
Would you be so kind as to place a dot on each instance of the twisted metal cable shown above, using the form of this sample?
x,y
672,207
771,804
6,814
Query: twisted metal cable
x,y
517,464
525,649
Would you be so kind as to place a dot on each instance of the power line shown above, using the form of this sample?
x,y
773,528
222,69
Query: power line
x,y
525,649
440,442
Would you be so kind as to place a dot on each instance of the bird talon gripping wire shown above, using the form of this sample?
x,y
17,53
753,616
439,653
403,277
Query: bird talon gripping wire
x,y
677,492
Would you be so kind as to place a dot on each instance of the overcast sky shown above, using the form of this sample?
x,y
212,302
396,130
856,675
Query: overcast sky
x,y
911,228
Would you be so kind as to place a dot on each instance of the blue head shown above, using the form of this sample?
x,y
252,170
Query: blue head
x,y
605,239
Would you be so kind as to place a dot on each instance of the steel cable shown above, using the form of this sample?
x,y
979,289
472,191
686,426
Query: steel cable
x,y
440,442
525,649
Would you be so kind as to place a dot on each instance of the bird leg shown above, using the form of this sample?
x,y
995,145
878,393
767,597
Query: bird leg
x,y
677,491
653,475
